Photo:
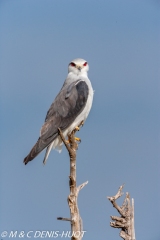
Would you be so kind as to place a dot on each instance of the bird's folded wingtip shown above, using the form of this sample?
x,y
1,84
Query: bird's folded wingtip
x,y
25,161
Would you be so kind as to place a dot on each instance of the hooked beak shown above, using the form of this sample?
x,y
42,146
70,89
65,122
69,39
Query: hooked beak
x,y
79,68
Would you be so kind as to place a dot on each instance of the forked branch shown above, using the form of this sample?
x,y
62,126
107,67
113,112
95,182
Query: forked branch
x,y
126,220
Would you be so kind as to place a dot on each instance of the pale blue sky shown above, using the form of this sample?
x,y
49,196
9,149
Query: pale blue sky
x,y
120,140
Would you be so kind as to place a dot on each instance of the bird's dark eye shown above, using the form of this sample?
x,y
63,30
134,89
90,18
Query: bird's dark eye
x,y
72,64
85,64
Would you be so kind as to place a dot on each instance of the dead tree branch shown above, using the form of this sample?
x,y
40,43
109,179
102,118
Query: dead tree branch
x,y
126,220
75,219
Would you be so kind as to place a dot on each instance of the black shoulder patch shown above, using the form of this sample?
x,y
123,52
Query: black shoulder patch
x,y
82,89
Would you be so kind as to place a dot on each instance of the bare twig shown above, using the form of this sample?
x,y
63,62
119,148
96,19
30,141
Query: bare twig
x,y
81,186
75,219
126,220
63,219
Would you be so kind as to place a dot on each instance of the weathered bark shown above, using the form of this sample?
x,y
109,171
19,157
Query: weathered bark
x,y
75,219
126,220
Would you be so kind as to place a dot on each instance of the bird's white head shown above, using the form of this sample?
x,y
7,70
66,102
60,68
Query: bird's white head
x,y
78,66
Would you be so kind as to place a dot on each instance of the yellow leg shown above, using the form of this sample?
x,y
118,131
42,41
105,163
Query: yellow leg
x,y
77,128
77,139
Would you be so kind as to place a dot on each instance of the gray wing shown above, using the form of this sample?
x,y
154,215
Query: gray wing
x,y
69,103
